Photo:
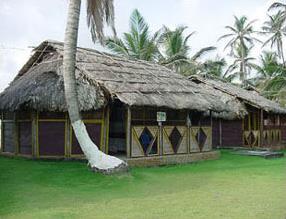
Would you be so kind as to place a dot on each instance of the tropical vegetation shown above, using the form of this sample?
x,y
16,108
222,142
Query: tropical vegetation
x,y
172,48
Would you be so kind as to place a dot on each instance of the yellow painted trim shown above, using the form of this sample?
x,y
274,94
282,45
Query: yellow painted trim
x,y
51,120
94,121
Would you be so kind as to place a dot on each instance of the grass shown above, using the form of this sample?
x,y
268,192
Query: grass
x,y
233,187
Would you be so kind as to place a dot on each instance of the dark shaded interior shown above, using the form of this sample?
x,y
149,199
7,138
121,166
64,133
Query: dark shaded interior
x,y
117,129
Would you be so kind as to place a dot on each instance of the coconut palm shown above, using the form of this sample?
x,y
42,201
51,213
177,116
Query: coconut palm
x,y
271,75
280,6
175,51
241,38
214,68
269,66
138,43
99,12
242,64
275,28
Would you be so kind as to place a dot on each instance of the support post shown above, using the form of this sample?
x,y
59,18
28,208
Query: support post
x,y
35,146
16,134
1,132
261,128
188,123
220,133
128,133
160,138
211,132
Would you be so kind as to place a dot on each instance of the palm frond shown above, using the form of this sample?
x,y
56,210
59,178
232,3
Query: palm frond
x,y
98,13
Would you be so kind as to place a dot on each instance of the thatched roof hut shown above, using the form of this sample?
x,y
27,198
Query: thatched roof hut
x,y
101,76
260,122
236,93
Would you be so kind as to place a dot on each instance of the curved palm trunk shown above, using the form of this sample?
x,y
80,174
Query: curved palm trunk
x,y
97,160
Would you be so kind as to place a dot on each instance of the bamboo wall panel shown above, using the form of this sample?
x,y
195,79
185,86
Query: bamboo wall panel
x,y
194,145
167,146
179,147
144,141
272,137
136,148
207,145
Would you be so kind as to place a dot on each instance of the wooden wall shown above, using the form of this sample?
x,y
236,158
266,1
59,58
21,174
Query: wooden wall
x,y
182,133
216,133
49,134
232,133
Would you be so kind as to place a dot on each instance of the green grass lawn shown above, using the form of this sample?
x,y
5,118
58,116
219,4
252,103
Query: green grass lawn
x,y
233,187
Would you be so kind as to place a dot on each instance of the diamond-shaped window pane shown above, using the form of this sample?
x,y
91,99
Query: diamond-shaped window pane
x,y
175,139
201,138
146,138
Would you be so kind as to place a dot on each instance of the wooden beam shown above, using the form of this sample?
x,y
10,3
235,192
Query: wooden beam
x,y
16,134
35,145
220,133
188,123
1,132
211,132
261,128
128,133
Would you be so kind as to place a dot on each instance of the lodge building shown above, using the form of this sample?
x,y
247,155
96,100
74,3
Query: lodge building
x,y
120,102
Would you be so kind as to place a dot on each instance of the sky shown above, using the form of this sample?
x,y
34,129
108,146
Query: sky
x,y
26,23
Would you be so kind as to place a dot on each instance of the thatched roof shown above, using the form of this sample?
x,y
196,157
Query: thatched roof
x,y
244,96
101,77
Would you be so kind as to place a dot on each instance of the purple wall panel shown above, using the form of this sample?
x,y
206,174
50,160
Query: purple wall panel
x,y
215,133
52,138
232,133
25,137
94,131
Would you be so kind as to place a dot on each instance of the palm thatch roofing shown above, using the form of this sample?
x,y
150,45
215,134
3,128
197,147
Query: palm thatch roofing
x,y
252,98
102,77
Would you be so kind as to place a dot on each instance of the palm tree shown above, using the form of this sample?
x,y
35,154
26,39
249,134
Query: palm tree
x,y
274,27
242,64
271,75
138,43
280,6
214,68
99,12
269,66
241,38
175,51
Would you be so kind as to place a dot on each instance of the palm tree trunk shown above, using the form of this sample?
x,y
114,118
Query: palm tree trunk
x,y
282,54
97,160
